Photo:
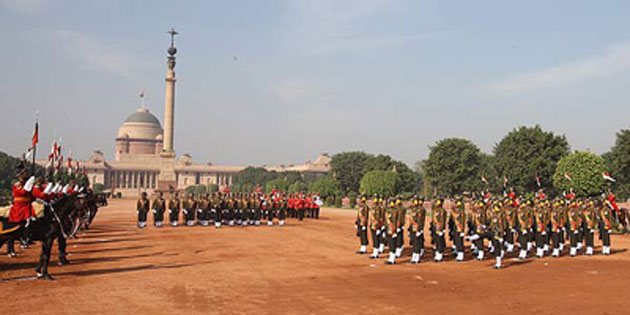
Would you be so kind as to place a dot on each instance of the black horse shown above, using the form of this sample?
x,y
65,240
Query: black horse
x,y
57,221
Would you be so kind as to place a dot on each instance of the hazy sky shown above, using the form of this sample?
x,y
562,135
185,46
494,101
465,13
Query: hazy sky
x,y
271,82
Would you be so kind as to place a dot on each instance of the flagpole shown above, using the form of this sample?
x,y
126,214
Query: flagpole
x,y
36,136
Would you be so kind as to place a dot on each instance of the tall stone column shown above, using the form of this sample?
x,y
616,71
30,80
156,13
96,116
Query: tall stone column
x,y
169,102
167,179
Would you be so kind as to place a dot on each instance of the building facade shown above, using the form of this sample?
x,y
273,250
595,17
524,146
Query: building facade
x,y
145,159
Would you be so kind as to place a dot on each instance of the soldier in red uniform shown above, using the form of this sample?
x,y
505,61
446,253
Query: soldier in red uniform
x,y
22,209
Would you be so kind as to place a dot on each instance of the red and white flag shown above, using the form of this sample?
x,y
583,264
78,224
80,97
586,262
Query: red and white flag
x,y
35,137
568,176
505,181
538,180
484,179
608,177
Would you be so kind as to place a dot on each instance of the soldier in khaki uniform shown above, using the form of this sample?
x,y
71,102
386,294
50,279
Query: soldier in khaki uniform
x,y
457,216
478,225
142,208
375,225
417,215
401,215
438,214
525,221
589,213
575,221
541,214
391,220
363,216
188,208
606,219
496,231
174,206
159,206
556,226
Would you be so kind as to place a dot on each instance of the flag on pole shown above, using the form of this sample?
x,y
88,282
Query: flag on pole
x,y
142,93
568,176
35,137
608,177
538,180
505,181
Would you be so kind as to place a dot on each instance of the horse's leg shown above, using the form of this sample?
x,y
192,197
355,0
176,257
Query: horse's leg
x,y
62,250
45,258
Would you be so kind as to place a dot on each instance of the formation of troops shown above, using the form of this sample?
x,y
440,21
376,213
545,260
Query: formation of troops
x,y
231,209
530,226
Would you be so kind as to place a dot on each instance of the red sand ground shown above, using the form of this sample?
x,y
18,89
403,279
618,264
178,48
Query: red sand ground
x,y
304,267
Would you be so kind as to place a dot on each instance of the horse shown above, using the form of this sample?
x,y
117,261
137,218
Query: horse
x,y
57,221
623,218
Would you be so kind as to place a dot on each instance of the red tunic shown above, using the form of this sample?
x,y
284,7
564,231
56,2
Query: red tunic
x,y
22,208
38,193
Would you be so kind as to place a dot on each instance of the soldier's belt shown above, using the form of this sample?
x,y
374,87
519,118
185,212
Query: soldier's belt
x,y
22,199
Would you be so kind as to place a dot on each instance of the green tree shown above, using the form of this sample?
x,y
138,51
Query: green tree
x,y
385,183
348,169
526,152
254,176
326,186
297,187
411,181
278,183
586,170
618,163
453,166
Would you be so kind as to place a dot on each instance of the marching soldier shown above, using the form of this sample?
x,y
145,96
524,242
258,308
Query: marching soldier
x,y
439,226
417,216
391,220
217,203
510,206
401,215
496,230
590,224
458,218
574,214
363,215
159,204
188,206
525,221
556,226
256,204
541,222
606,219
174,206
375,225
142,208
203,212
478,226
282,210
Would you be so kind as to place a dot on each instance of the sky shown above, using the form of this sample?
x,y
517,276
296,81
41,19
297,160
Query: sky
x,y
279,82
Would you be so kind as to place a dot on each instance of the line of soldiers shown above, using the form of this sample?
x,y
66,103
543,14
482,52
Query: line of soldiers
x,y
505,224
227,209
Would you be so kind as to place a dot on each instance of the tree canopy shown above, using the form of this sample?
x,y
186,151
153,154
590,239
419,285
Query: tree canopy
x,y
453,166
527,152
585,169
618,163
386,183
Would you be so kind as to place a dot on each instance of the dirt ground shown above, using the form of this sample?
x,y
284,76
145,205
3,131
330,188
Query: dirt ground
x,y
304,267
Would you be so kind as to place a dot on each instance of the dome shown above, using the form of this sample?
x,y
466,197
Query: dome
x,y
141,125
143,115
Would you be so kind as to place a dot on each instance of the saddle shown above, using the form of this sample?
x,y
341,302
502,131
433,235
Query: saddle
x,y
8,227
37,207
